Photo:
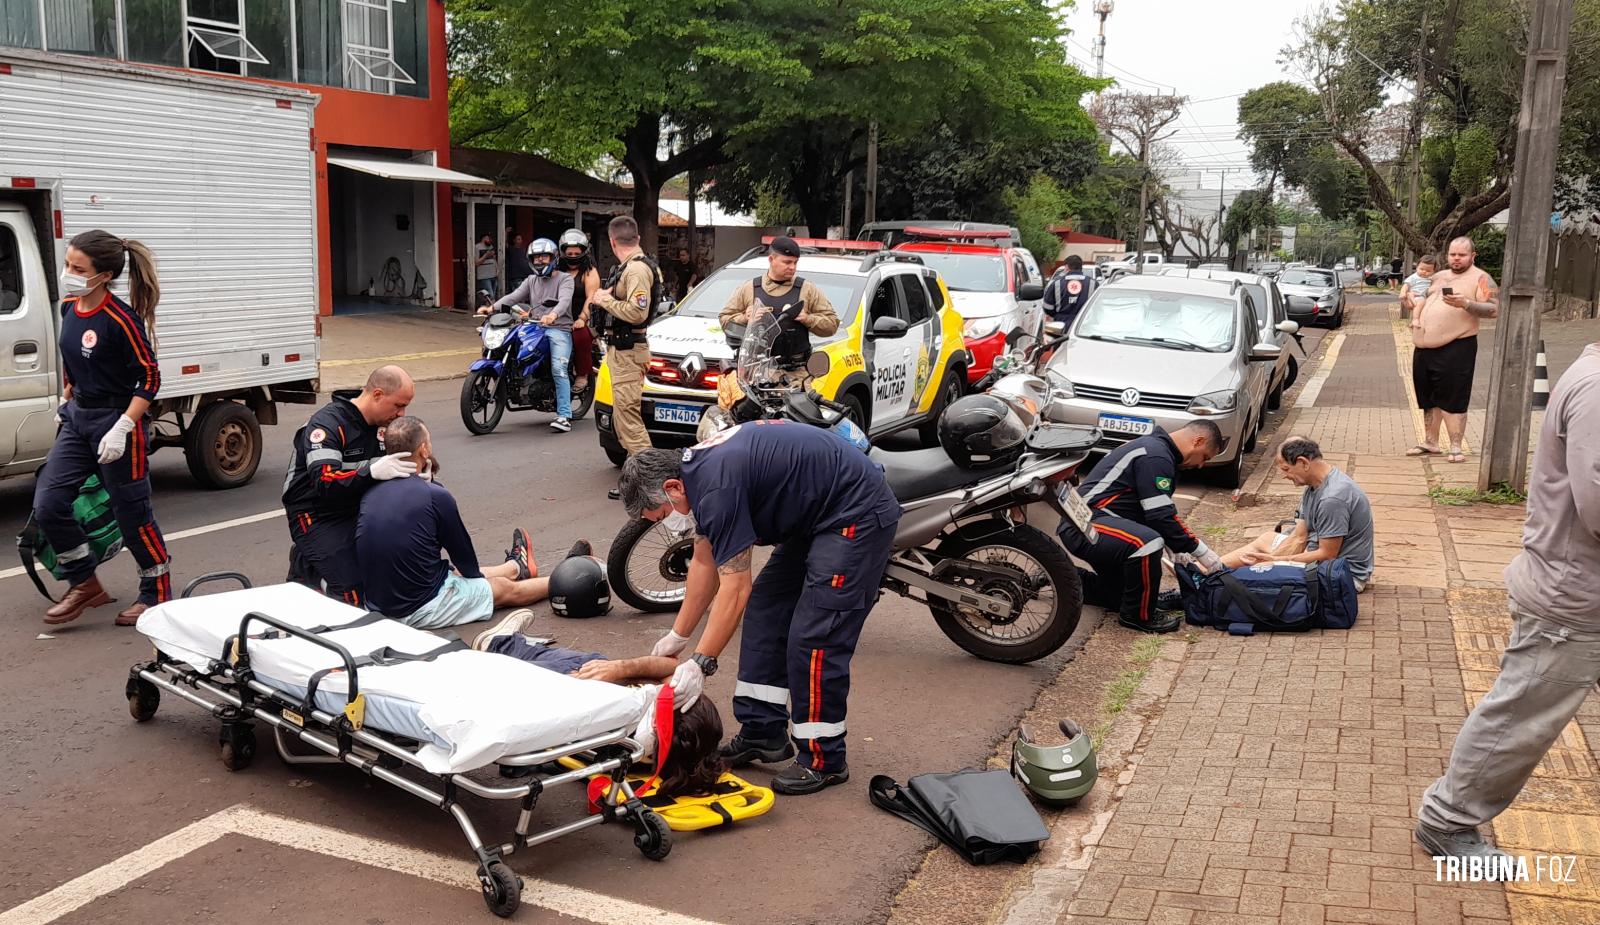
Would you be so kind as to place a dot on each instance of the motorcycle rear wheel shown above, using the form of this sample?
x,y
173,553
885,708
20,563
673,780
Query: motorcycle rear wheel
x,y
482,401
1047,592
584,400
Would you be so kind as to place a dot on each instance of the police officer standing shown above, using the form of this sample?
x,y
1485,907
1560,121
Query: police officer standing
x,y
1134,517
801,307
338,454
1068,290
629,304
832,517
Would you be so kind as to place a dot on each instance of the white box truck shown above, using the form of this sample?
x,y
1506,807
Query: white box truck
x,y
218,177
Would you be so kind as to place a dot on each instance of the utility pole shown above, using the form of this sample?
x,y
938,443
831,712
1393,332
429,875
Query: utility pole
x,y
1504,454
1416,147
1102,9
1144,206
849,190
1222,187
870,212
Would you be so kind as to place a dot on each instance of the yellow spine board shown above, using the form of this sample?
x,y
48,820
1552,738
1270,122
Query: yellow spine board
x,y
737,798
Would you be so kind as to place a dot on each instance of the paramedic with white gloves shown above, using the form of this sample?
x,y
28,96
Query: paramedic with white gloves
x,y
831,516
337,456
1130,495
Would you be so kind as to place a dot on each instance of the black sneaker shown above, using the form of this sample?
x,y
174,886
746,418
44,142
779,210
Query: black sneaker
x,y
580,548
561,425
615,494
1160,623
741,751
521,552
799,780
1169,600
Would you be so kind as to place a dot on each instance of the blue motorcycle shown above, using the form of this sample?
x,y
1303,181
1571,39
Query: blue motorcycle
x,y
515,373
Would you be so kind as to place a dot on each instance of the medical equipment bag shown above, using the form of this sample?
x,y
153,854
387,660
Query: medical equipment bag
x,y
982,814
1281,597
92,510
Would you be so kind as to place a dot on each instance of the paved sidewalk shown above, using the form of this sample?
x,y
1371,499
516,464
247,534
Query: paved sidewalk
x,y
430,343
1280,779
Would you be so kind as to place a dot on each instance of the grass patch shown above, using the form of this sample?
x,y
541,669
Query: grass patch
x,y
1120,692
1214,531
1460,496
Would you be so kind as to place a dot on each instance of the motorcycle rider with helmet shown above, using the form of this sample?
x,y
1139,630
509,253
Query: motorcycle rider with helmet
x,y
577,262
551,293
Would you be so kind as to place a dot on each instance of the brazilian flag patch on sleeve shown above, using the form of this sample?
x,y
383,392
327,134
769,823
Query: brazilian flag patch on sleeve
x,y
1163,483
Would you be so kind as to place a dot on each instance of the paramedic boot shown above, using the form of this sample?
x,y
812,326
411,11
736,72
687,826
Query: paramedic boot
x,y
1466,845
1162,621
130,617
741,751
799,780
79,597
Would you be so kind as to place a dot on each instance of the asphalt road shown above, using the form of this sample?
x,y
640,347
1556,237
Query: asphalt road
x,y
82,785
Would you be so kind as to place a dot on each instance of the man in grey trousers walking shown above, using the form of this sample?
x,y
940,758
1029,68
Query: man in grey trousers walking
x,y
1554,656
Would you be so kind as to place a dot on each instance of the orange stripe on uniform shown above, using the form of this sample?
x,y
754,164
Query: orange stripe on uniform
x,y
1106,502
849,532
144,537
1119,534
815,714
152,373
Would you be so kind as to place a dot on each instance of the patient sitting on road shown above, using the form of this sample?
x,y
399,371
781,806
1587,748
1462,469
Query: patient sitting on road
x,y
1334,519
693,765
406,522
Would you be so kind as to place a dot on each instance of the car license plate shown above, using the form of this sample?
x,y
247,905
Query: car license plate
x,y
1077,509
1124,424
669,413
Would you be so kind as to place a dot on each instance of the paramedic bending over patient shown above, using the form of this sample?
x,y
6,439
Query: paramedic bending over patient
x,y
108,361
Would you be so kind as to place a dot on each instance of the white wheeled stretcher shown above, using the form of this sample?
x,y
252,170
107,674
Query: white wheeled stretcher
x,y
381,696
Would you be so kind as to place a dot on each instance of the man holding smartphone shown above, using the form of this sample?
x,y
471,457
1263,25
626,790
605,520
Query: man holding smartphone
x,y
801,307
1445,333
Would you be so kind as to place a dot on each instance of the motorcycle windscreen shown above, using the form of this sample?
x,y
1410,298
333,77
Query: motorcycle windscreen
x,y
759,372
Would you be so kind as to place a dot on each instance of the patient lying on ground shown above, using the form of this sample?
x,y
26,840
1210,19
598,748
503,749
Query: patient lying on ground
x,y
693,766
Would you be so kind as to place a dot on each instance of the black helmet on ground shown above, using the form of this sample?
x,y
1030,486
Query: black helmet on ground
x,y
981,432
579,589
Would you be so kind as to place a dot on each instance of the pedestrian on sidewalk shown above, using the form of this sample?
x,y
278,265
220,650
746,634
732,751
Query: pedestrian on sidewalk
x,y
518,267
108,361
487,266
1553,659
1444,332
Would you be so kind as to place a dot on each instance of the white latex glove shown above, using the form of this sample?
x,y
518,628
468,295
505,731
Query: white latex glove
x,y
670,645
687,683
393,466
1209,562
426,473
115,442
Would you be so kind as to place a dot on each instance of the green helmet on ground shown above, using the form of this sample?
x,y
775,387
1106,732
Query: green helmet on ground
x,y
1058,775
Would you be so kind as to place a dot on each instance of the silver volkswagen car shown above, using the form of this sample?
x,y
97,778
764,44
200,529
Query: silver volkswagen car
x,y
1161,351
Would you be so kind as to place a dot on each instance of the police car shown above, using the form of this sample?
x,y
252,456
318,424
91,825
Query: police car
x,y
897,359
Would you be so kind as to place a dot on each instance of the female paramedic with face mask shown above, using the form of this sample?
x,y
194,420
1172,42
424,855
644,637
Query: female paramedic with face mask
x,y
108,361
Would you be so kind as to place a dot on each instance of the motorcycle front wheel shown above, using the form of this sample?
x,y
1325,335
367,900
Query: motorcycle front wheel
x,y
583,400
482,401
648,566
1034,573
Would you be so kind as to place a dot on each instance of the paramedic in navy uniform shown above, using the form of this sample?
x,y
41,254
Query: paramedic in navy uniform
x,y
108,361
831,516
337,456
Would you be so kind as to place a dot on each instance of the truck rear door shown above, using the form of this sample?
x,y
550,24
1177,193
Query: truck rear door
x,y
27,347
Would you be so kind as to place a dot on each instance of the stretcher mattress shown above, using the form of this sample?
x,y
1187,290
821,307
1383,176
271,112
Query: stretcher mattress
x,y
469,709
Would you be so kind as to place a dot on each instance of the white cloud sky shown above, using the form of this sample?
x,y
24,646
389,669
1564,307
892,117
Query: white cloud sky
x,y
1208,50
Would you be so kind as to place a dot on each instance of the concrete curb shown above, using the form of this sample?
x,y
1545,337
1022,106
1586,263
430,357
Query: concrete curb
x,y
1061,868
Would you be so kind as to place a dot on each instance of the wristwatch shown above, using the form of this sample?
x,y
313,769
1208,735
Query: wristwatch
x,y
708,665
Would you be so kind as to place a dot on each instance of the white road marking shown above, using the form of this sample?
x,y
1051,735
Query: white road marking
x,y
321,839
1308,395
185,534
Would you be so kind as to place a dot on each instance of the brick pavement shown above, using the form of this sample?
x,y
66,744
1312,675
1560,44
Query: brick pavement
x,y
1280,781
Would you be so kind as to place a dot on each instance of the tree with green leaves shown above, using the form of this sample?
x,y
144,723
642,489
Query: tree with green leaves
x,y
1354,55
1282,124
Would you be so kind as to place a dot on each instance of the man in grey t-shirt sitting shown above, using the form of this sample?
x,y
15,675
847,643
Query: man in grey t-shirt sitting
x,y
1334,519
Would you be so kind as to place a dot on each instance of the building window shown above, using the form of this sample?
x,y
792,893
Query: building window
x,y
155,31
369,46
19,23
215,36
83,26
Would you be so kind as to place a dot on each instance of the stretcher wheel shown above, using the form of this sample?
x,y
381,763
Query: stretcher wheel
x,y
502,889
238,748
143,699
654,839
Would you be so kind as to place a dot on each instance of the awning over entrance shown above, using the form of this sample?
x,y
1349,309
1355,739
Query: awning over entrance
x,y
396,169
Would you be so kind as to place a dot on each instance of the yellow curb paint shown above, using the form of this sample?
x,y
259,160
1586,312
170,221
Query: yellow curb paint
x,y
401,357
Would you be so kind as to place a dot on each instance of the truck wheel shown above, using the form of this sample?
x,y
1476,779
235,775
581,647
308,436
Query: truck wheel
x,y
223,445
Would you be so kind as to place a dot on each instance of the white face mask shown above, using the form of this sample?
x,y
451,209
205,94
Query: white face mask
x,y
73,284
678,523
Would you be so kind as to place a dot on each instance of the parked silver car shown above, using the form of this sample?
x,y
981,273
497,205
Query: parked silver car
x,y
1314,296
1271,312
1161,351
